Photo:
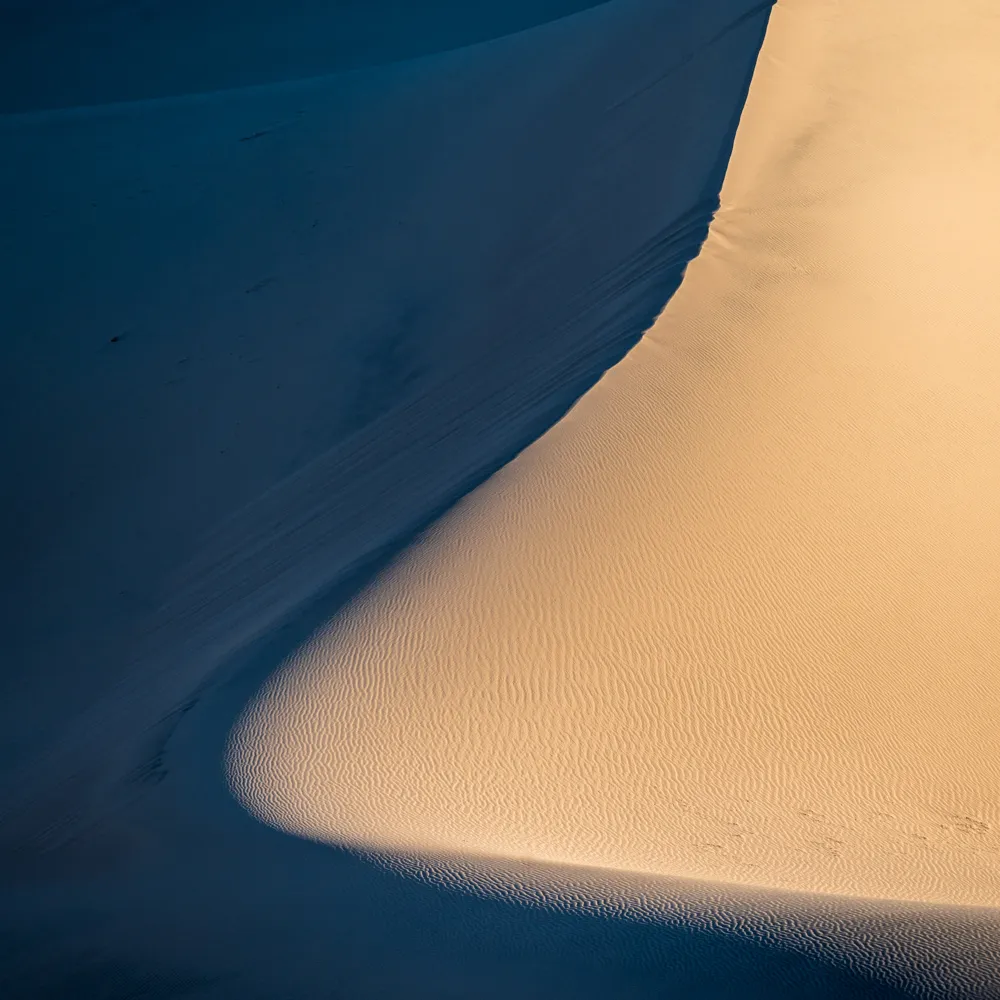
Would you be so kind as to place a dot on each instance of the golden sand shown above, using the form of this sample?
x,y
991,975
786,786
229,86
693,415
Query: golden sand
x,y
737,616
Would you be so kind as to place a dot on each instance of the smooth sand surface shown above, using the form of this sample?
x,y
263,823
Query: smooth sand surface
x,y
255,339
71,53
257,336
737,616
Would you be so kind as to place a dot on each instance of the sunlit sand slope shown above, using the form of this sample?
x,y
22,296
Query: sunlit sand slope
x,y
255,337
737,616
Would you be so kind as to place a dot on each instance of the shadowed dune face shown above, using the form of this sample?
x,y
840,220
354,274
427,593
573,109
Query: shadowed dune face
x,y
56,53
736,616
291,323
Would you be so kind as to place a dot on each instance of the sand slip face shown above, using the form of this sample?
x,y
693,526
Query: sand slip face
x,y
736,616
257,336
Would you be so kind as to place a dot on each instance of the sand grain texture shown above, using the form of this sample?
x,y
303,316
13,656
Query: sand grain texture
x,y
735,616
257,337
295,321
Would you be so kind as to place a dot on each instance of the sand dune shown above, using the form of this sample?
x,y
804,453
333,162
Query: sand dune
x,y
60,53
277,306
736,616
256,338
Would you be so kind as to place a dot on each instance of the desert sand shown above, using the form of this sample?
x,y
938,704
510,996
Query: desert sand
x,y
76,53
737,615
292,322
634,719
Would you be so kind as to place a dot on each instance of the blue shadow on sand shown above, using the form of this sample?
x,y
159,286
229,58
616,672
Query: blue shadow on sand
x,y
217,904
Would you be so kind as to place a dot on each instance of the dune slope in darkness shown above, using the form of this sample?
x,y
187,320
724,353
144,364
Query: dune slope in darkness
x,y
59,53
736,616
255,339
259,335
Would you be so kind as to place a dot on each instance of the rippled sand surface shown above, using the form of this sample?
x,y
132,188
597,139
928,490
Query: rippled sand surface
x,y
736,615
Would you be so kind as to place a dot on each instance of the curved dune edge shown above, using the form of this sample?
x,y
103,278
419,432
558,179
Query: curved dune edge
x,y
291,344
735,617
935,950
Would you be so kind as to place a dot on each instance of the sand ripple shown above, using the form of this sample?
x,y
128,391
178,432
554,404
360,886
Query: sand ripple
x,y
736,616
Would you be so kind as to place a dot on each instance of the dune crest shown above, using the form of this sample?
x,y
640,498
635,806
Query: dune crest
x,y
736,615
293,322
